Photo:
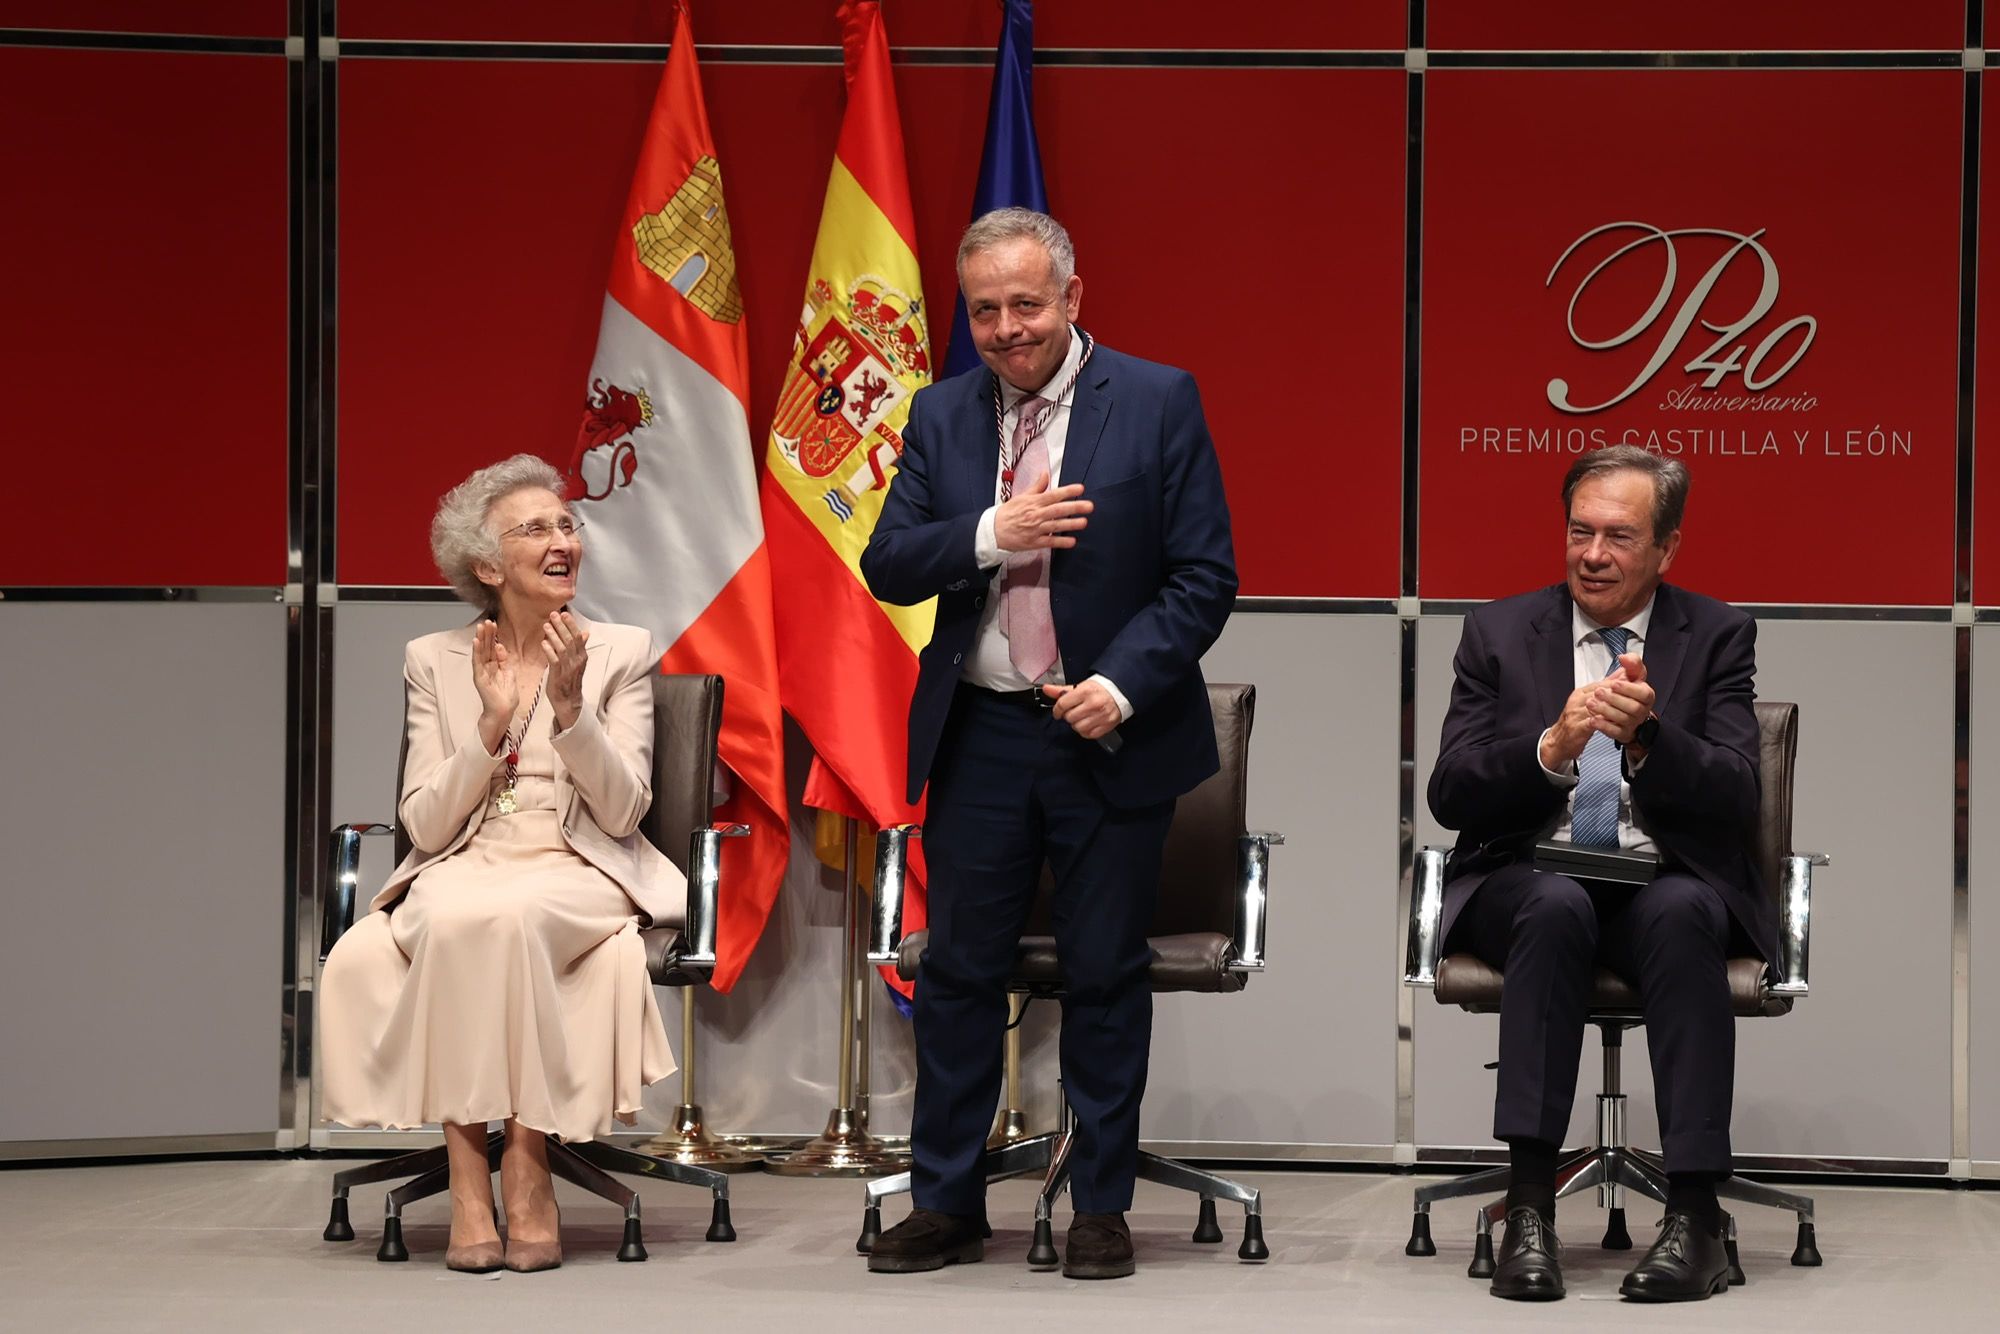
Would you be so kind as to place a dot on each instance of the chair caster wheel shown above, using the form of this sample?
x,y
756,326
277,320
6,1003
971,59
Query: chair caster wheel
x,y
1482,1257
1042,1254
1616,1238
392,1247
871,1228
1806,1254
1206,1230
337,1226
719,1228
1420,1242
633,1247
1253,1248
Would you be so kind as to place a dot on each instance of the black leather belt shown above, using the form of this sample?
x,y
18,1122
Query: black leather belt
x,y
1025,699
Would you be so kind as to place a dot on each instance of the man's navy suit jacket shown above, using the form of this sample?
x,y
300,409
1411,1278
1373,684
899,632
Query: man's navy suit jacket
x,y
1698,790
1139,598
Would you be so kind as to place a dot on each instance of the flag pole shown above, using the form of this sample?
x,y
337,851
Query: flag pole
x,y
1012,1123
865,1025
845,1148
688,1140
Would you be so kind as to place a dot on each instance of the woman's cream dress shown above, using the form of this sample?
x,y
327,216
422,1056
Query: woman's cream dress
x,y
510,981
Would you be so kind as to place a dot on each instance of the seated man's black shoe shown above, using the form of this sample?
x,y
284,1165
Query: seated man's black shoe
x,y
927,1240
1530,1267
1687,1263
1099,1246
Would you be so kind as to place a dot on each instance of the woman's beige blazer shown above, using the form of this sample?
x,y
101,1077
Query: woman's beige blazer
x,y
604,764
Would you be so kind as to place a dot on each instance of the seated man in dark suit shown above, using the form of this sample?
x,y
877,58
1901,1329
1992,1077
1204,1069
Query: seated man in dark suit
x,y
1612,711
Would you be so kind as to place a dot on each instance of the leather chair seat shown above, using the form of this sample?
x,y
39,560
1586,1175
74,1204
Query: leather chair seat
x,y
1195,961
1468,981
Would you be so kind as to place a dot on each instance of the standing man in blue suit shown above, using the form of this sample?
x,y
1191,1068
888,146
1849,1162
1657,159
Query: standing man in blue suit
x,y
1064,505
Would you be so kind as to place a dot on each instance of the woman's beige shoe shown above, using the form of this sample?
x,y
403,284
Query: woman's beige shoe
x,y
527,1257
479,1258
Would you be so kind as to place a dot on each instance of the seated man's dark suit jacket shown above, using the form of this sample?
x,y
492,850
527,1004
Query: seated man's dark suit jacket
x,y
1139,598
1698,789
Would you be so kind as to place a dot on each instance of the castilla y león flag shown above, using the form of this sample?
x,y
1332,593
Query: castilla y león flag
x,y
665,475
848,663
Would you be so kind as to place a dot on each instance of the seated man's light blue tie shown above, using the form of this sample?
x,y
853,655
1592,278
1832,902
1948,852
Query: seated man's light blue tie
x,y
1594,822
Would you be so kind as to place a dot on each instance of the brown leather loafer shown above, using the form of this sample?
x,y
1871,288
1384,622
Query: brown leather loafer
x,y
1099,1246
927,1240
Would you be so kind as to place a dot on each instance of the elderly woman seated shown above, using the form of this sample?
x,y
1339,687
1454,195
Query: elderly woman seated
x,y
500,975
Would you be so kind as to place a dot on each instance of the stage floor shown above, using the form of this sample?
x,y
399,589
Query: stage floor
x,y
236,1245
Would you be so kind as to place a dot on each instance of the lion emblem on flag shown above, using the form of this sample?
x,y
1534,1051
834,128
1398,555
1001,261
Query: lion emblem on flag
x,y
856,359
605,457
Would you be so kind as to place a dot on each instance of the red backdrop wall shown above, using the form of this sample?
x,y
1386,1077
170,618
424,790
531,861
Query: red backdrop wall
x,y
143,316
469,298
1169,24
1248,223
1855,199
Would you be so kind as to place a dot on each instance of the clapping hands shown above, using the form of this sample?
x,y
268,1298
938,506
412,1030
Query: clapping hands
x,y
564,645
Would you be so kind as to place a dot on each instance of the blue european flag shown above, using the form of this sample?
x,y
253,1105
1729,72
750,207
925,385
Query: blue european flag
x,y
1010,168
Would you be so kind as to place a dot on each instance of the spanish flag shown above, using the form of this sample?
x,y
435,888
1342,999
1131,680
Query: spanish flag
x,y
665,473
848,664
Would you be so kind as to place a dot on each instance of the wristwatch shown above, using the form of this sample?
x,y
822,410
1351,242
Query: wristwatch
x,y
1646,733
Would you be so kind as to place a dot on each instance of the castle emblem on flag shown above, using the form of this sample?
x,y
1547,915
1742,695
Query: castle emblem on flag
x,y
687,244
856,359
605,457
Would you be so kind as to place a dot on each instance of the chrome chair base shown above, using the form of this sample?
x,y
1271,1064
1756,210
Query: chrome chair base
x,y
587,1164
1049,1155
1612,1170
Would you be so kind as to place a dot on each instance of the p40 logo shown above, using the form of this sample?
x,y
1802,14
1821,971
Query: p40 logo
x,y
1725,339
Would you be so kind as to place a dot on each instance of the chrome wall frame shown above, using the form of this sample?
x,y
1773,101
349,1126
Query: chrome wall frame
x,y
311,591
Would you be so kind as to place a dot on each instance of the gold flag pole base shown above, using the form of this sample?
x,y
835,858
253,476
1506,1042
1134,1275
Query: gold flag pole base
x,y
843,1149
688,1141
1012,1123
1010,1128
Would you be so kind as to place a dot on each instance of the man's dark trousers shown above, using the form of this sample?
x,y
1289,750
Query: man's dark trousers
x,y
1009,788
1670,939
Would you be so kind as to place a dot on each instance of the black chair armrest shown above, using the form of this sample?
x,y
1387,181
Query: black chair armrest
x,y
1425,945
1791,969
892,868
343,873
696,956
1253,884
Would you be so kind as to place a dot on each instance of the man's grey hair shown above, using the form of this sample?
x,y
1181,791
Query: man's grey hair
x,y
1670,482
461,532
1009,224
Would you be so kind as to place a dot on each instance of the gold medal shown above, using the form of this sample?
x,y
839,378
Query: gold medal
x,y
507,802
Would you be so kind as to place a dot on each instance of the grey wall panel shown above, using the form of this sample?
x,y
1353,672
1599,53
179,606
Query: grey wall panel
x,y
142,817
1454,1090
1306,1054
1862,1067
1984,819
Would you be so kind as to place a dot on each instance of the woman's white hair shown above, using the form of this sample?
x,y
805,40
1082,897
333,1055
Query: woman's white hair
x,y
461,535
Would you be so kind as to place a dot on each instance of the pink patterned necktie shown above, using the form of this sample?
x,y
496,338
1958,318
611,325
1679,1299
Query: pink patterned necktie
x,y
1024,591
